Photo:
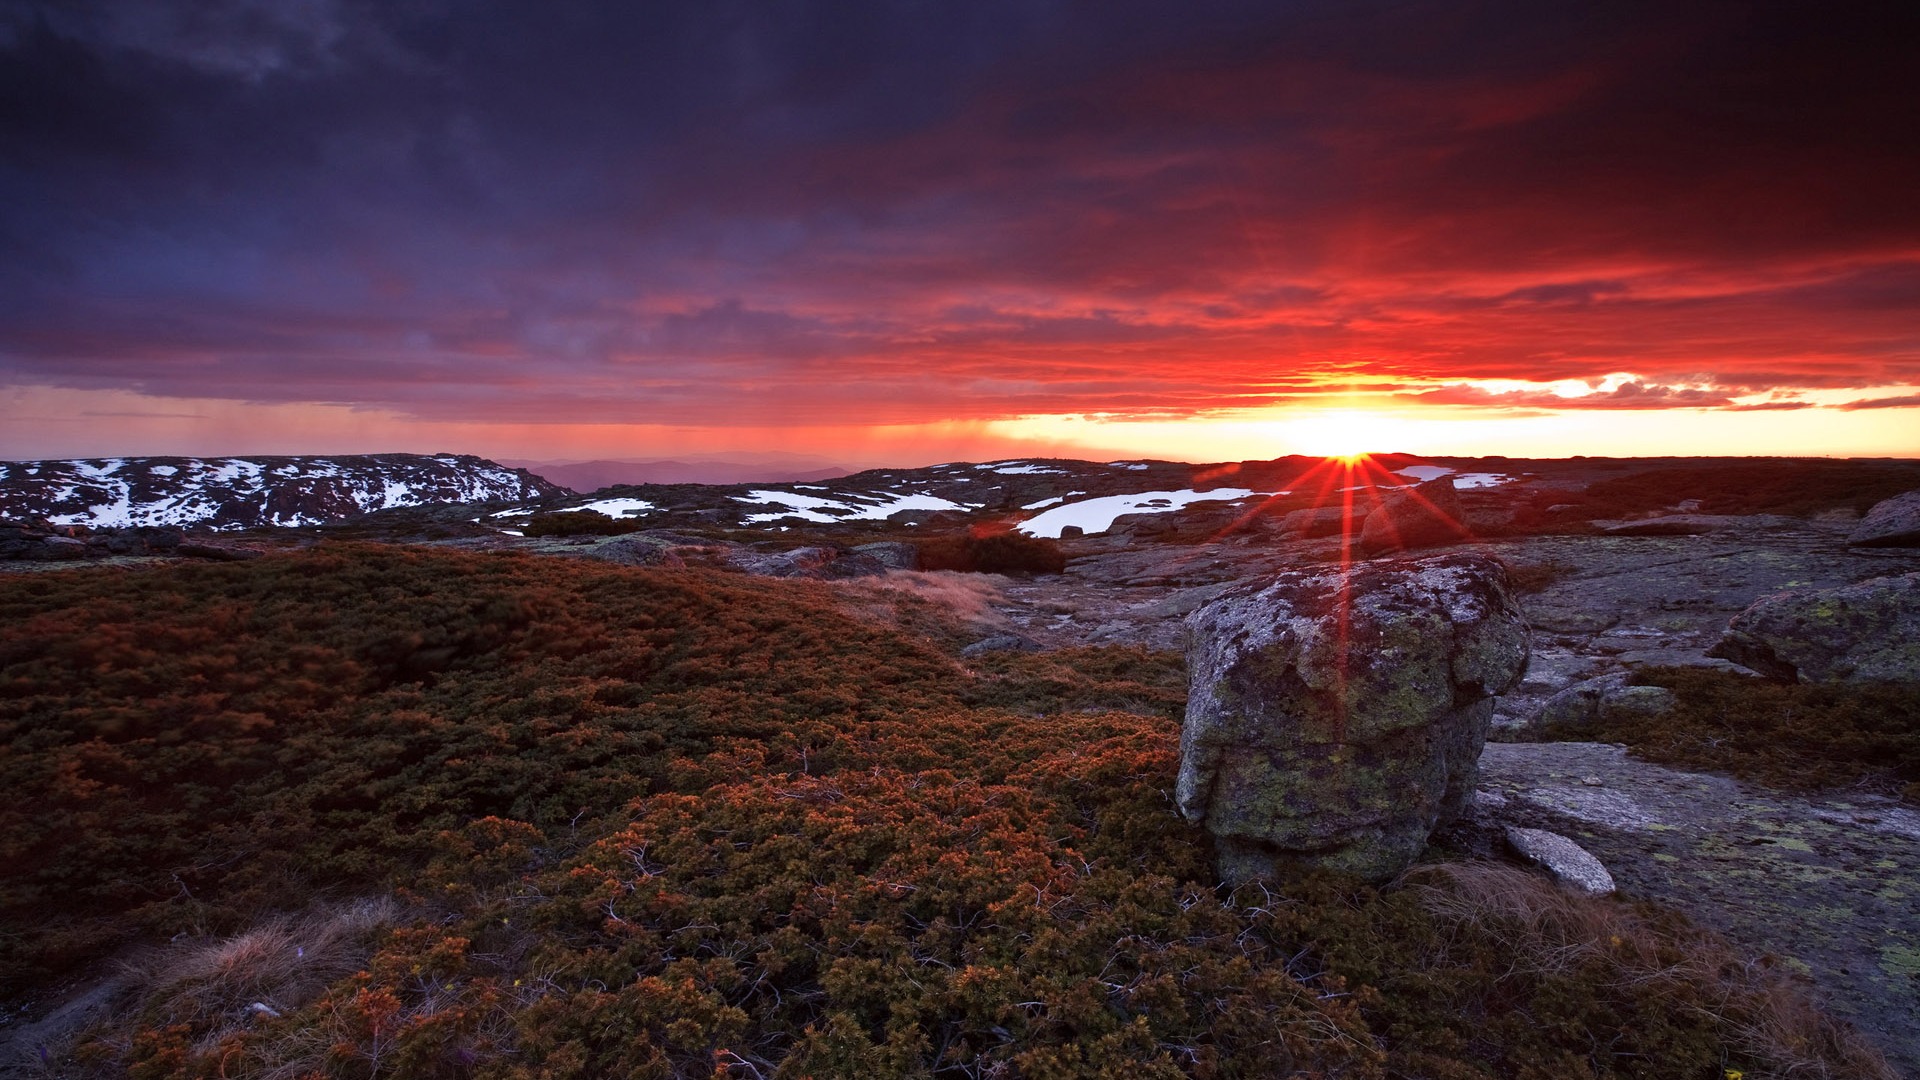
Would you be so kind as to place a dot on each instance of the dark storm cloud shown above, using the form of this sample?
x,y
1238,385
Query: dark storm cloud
x,y
743,212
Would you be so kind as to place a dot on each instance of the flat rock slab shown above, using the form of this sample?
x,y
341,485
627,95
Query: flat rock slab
x,y
1567,862
1831,885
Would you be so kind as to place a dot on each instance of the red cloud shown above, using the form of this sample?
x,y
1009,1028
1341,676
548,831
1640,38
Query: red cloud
x,y
1629,395
1144,214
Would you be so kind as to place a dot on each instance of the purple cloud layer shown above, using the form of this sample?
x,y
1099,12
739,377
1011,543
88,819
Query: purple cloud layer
x,y
736,214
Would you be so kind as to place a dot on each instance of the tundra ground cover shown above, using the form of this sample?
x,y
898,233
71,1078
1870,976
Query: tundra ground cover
x,y
625,822
1799,737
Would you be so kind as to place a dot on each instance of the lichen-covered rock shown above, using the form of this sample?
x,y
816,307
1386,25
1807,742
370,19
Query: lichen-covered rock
x,y
1586,705
1855,633
1424,515
1892,522
893,554
1565,861
1335,717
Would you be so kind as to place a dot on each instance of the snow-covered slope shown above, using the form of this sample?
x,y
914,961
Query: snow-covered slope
x,y
236,493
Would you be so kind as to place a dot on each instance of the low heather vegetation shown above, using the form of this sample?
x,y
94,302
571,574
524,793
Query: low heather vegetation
x,y
430,815
1799,737
579,523
1795,487
991,552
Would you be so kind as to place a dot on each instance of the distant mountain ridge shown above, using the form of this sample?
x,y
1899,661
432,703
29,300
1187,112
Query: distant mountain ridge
x,y
250,492
590,476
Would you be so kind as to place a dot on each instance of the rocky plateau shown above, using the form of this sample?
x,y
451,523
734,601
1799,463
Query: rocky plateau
x,y
1615,565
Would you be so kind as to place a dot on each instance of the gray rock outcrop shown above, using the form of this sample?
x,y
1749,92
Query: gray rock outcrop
x,y
1335,717
1425,515
1892,522
658,549
1584,706
1696,524
1856,633
893,554
39,540
808,562
1001,643
676,550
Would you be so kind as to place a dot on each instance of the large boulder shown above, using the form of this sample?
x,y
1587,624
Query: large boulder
x,y
1855,633
893,554
1335,717
1892,522
1424,515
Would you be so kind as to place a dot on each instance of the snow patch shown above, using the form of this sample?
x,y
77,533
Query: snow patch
x,y
614,507
1097,515
397,494
826,511
1481,480
106,468
1424,473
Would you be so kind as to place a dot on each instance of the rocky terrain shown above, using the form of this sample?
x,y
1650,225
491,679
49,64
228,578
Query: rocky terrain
x,y
1616,566
246,493
1828,885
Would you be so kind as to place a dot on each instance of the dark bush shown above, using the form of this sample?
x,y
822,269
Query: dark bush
x,y
579,523
992,553
1769,487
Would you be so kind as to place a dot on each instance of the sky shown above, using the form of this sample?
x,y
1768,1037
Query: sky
x,y
903,232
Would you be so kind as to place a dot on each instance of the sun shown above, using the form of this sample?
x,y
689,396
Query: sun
x,y
1345,434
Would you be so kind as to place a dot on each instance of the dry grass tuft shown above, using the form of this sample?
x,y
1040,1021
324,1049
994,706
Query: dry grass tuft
x,y
266,971
926,600
1554,930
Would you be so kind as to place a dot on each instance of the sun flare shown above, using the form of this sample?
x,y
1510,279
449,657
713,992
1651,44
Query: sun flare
x,y
1345,434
